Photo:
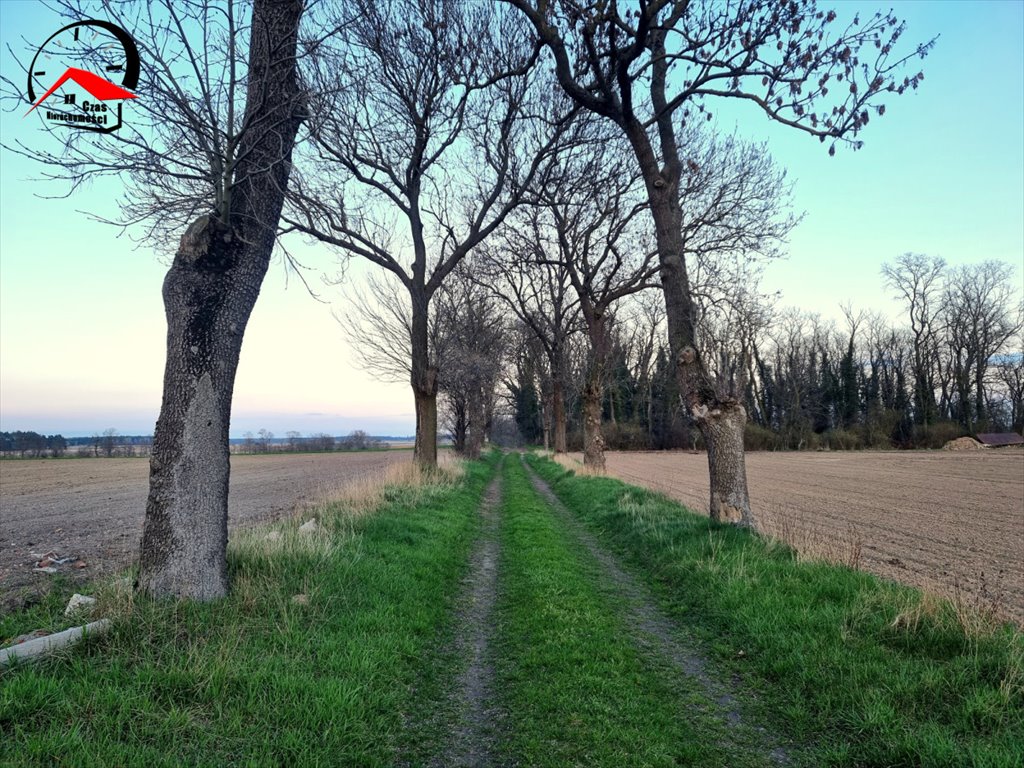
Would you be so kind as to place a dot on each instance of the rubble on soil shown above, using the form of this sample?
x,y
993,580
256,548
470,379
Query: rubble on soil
x,y
80,604
51,562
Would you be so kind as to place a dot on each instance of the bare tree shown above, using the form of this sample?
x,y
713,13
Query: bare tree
x,y
109,441
423,116
981,314
645,315
378,325
465,343
475,337
321,441
519,268
264,441
1010,375
918,280
784,58
595,210
208,146
524,381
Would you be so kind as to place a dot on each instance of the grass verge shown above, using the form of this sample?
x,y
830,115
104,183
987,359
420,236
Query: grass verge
x,y
263,678
871,672
574,686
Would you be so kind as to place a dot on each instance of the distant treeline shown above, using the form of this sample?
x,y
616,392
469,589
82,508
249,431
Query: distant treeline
x,y
264,441
806,383
32,444
110,443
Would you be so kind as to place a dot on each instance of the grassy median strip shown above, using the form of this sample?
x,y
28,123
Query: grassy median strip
x,y
873,673
575,687
312,660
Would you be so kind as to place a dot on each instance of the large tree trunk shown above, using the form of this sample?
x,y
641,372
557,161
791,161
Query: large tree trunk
x,y
558,416
720,418
425,451
593,394
209,293
459,434
185,532
593,439
424,386
477,423
545,423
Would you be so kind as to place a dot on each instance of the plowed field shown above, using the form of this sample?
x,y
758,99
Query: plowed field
x,y
93,508
943,521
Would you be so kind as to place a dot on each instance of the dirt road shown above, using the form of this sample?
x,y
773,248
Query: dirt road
x,y
93,508
939,520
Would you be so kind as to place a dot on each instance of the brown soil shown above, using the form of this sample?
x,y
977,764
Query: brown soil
x,y
952,523
93,508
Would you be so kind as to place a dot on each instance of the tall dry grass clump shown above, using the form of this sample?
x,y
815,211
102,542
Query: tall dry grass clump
x,y
567,461
268,555
371,490
810,542
319,525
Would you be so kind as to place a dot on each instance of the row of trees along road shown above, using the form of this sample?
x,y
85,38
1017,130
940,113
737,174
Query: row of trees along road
x,y
426,124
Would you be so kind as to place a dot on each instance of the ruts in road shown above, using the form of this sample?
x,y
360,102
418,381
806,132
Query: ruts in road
x,y
509,700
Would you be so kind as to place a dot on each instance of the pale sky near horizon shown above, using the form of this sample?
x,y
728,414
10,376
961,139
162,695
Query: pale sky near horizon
x,y
81,317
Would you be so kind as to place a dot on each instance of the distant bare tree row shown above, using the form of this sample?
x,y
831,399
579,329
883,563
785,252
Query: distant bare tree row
x,y
107,444
26,444
320,442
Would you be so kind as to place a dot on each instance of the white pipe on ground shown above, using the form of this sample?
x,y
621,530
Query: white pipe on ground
x,y
32,649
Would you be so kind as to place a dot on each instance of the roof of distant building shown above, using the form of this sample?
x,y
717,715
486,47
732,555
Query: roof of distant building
x,y
1000,438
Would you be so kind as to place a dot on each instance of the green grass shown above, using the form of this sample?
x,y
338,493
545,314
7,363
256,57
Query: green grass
x,y
858,671
257,679
575,688
863,671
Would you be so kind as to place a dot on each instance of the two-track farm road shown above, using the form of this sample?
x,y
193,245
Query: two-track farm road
x,y
932,519
93,508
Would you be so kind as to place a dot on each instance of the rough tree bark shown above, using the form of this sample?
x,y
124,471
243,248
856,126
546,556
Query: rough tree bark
x,y
208,294
424,389
593,393
477,423
719,417
558,415
545,419
459,428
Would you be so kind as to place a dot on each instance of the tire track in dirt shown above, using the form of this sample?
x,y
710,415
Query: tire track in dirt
x,y
661,639
473,737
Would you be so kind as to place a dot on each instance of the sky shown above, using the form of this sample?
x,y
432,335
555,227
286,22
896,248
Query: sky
x,y
81,317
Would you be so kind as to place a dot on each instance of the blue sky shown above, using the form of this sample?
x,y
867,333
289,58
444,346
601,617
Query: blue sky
x,y
81,319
